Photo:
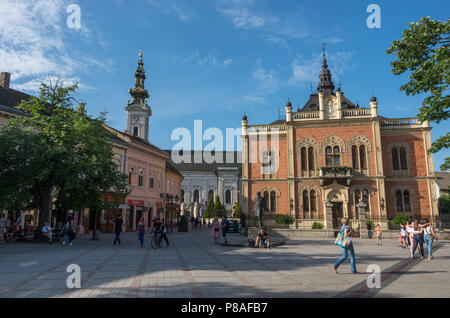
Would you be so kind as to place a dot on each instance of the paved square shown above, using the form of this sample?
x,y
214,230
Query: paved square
x,y
193,266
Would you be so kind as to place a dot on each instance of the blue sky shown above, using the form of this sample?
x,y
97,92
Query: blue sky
x,y
212,59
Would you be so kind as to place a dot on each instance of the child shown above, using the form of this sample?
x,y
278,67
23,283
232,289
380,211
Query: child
x,y
379,235
403,235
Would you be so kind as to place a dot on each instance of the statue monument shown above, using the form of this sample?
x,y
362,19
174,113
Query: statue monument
x,y
257,208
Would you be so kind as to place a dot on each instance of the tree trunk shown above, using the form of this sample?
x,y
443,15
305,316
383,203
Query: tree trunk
x,y
94,229
45,213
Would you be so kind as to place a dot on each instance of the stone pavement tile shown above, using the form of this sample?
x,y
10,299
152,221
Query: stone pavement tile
x,y
43,284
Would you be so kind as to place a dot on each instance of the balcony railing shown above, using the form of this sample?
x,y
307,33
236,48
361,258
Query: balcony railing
x,y
306,115
357,112
268,128
402,122
340,172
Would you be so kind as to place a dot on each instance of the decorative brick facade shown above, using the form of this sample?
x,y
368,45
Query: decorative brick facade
x,y
335,152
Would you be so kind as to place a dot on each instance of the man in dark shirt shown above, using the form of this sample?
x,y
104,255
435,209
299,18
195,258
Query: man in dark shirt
x,y
263,238
118,228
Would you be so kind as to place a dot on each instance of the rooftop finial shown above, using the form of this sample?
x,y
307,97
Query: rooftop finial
x,y
323,48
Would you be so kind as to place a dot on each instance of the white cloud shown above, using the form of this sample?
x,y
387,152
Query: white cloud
x,y
197,59
227,62
33,43
243,18
266,80
178,8
305,71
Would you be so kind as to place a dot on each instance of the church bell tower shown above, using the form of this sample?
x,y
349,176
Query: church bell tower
x,y
139,112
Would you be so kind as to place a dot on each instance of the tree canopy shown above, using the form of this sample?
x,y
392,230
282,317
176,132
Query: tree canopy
x,y
57,157
424,52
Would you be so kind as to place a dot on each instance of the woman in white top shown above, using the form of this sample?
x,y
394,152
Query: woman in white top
x,y
410,233
429,237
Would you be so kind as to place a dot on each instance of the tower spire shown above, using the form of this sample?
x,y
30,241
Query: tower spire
x,y
326,86
139,93
138,111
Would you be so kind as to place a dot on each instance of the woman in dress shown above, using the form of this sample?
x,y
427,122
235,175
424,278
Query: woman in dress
x,y
215,231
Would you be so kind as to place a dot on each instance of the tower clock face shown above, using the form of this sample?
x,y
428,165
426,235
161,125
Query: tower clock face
x,y
135,117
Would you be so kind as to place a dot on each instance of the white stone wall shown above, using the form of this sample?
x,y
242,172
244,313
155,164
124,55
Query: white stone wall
x,y
208,180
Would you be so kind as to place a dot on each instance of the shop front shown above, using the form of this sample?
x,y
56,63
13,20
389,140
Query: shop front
x,y
135,212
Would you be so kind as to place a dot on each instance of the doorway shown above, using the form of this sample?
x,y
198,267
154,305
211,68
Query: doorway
x,y
338,214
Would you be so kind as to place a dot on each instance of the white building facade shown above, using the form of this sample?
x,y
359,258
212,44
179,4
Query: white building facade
x,y
203,179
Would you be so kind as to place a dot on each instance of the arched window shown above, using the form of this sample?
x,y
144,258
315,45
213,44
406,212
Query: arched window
x,y
305,202
362,157
141,178
312,196
266,201
365,199
136,131
311,159
355,157
196,196
399,200
403,162
273,202
406,200
303,160
333,156
395,163
266,162
228,197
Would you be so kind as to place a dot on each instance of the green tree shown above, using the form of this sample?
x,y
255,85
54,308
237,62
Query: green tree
x,y
444,204
424,52
210,208
237,211
70,164
219,208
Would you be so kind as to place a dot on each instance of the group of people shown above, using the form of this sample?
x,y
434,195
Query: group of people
x,y
10,228
196,223
159,229
415,233
217,227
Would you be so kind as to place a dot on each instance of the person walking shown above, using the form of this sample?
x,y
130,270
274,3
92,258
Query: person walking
x,y
68,230
215,231
141,231
409,232
164,231
118,222
429,237
2,225
344,237
225,227
403,235
417,239
47,231
379,232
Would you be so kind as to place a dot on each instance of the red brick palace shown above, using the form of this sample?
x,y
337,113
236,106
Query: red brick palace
x,y
330,155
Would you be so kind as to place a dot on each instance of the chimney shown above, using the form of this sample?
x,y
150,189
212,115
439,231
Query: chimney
x,y
5,79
